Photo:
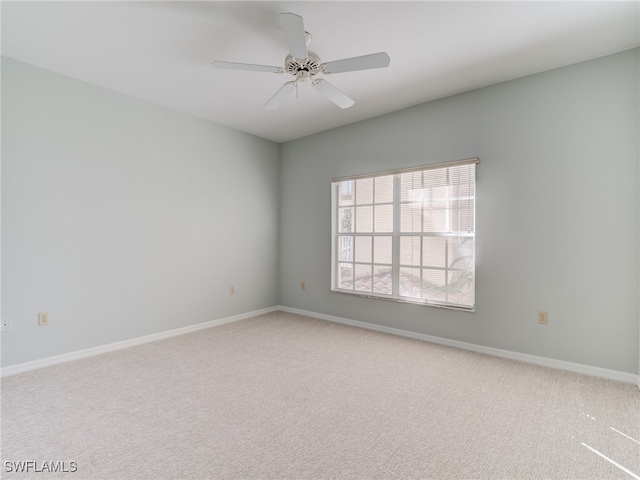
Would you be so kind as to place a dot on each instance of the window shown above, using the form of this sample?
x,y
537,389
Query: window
x,y
407,235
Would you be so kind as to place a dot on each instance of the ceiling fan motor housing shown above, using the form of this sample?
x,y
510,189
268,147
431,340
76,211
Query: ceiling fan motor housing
x,y
303,68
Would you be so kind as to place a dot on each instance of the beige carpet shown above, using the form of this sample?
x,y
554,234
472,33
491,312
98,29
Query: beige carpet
x,y
285,396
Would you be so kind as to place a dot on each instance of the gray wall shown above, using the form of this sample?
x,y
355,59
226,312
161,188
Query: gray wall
x,y
121,218
557,211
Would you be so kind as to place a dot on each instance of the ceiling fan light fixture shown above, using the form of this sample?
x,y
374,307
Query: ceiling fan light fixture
x,y
304,64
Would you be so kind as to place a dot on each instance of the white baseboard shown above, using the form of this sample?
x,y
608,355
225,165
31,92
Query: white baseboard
x,y
521,357
90,352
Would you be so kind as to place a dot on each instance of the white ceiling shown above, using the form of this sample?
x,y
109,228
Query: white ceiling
x,y
162,51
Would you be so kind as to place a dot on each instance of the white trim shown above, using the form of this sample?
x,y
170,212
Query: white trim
x,y
521,357
496,352
90,352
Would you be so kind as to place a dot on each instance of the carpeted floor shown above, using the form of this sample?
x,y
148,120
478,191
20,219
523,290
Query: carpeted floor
x,y
286,396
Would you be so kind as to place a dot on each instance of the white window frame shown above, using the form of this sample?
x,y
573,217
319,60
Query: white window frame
x,y
338,253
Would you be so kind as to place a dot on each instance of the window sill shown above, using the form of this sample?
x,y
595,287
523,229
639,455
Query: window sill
x,y
389,298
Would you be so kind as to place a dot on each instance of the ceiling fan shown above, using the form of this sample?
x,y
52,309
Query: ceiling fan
x,y
304,65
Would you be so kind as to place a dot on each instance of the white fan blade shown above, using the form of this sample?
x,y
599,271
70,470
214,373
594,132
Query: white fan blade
x,y
248,66
365,62
293,28
332,93
275,101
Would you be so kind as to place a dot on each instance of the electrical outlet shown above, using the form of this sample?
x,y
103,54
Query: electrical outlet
x,y
6,325
303,285
43,319
232,290
542,318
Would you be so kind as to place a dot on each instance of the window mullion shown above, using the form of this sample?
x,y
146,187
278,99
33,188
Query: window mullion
x,y
353,235
395,243
421,235
334,234
446,269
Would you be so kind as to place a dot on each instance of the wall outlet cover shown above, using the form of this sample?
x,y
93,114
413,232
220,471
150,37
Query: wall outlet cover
x,y
543,319
43,319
